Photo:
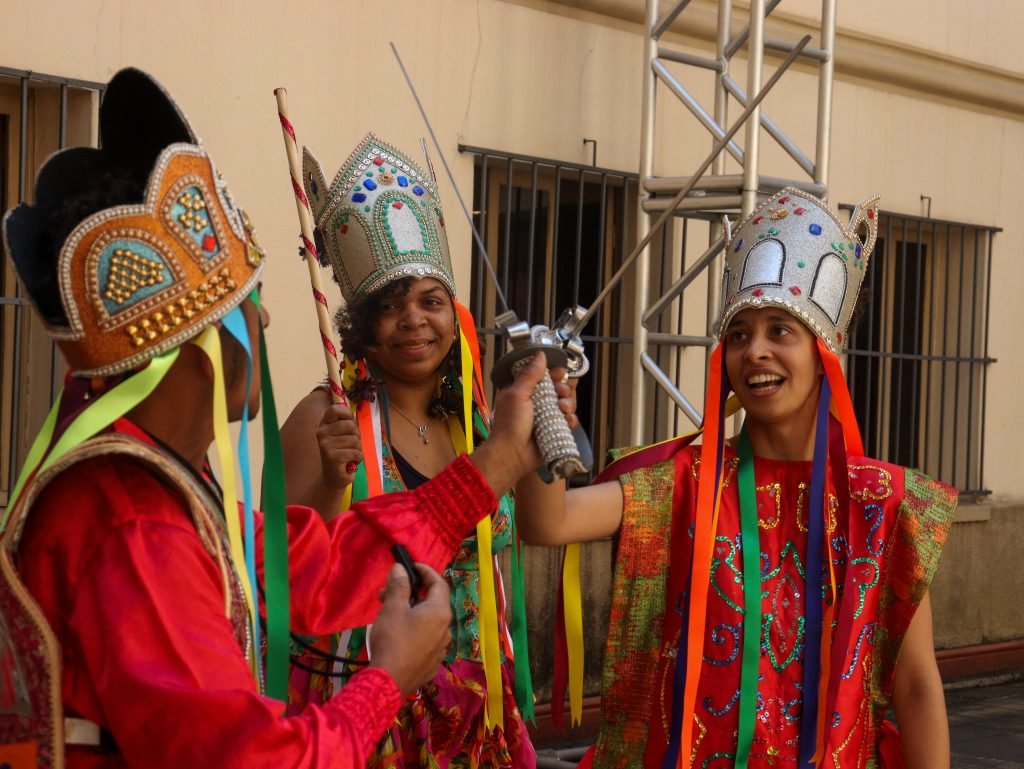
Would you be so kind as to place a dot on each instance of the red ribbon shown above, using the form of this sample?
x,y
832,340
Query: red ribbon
x,y
329,345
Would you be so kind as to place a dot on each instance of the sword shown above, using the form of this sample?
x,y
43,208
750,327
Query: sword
x,y
580,320
565,452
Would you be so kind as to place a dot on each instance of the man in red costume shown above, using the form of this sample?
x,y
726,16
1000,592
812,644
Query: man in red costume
x,y
770,596
133,597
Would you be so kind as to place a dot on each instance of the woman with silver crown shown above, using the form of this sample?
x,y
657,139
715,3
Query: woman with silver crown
x,y
770,595
412,374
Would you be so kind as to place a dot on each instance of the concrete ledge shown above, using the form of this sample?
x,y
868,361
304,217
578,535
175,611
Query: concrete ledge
x,y
973,513
980,660
975,593
546,734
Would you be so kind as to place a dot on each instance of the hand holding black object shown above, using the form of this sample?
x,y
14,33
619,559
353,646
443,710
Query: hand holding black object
x,y
409,642
415,580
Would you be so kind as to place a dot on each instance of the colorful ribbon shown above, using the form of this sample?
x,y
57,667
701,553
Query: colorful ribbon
x,y
709,495
817,510
750,544
275,535
103,412
209,342
234,323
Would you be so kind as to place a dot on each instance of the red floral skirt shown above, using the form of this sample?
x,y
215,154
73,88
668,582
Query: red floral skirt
x,y
442,726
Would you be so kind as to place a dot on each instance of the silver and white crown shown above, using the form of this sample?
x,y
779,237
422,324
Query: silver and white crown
x,y
380,219
793,252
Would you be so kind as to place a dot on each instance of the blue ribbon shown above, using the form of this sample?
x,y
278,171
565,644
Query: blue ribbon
x,y
234,323
812,582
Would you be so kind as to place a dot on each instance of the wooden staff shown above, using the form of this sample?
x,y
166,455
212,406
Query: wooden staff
x,y
309,249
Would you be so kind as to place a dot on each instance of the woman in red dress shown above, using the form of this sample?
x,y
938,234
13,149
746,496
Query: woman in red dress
x,y
766,587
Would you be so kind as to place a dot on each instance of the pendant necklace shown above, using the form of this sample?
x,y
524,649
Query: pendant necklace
x,y
421,430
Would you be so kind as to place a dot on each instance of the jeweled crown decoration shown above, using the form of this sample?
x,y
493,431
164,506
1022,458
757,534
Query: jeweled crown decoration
x,y
794,252
380,219
140,280
137,280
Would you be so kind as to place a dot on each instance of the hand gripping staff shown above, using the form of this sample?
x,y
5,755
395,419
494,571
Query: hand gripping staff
x,y
312,262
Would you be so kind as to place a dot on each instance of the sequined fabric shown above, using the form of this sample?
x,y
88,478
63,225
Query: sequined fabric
x,y
884,553
637,614
29,666
442,726
794,252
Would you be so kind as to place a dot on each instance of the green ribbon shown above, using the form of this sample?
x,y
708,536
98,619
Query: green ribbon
x,y
360,486
523,682
751,546
275,535
35,455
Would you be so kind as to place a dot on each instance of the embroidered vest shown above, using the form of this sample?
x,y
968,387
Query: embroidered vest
x,y
32,724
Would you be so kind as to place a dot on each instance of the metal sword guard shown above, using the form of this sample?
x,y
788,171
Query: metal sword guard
x,y
565,452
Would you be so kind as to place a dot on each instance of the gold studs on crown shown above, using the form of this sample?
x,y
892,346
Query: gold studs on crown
x,y
184,309
190,218
129,272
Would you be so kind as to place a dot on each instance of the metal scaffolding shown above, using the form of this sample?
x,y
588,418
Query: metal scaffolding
x,y
716,193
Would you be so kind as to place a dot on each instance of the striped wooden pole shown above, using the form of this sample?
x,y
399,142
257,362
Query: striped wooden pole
x,y
309,248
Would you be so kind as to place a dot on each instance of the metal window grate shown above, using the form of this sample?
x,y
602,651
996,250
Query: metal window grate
x,y
556,232
918,357
39,114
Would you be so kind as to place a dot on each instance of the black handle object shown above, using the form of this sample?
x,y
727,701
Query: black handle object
x,y
415,579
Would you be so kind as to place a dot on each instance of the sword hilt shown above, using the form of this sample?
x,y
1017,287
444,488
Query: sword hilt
x,y
556,442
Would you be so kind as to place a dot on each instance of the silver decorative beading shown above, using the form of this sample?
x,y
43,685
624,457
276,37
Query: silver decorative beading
x,y
793,252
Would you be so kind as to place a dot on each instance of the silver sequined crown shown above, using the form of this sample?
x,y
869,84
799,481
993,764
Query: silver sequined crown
x,y
794,252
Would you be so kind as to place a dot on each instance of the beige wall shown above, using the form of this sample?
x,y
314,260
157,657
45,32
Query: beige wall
x,y
536,77
929,100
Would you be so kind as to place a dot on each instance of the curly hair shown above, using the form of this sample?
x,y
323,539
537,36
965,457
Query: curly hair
x,y
357,320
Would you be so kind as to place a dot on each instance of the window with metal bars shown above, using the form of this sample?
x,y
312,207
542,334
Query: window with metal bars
x,y
918,355
556,232
918,358
39,114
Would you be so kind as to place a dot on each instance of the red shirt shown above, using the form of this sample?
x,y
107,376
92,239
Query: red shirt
x,y
137,603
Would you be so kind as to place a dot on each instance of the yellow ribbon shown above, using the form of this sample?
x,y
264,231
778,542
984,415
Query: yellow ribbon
x,y
104,411
572,606
209,342
488,619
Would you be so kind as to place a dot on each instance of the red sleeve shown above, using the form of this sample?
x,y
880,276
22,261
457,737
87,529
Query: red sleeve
x,y
148,652
336,570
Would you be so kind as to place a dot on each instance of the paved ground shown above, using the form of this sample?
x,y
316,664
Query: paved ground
x,y
986,727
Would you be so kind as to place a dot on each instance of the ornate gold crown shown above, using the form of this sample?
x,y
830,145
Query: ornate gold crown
x,y
794,252
380,219
138,280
